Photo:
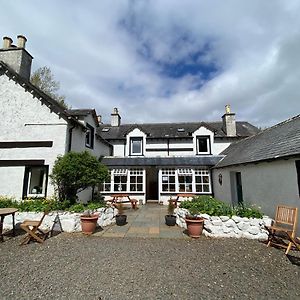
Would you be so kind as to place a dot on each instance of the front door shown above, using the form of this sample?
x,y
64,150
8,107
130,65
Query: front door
x,y
152,183
239,187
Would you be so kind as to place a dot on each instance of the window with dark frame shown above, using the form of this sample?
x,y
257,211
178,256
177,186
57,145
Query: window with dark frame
x,y
203,145
136,146
35,181
89,136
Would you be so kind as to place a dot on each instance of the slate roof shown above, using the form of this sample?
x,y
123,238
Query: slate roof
x,y
279,141
36,92
170,130
83,112
162,161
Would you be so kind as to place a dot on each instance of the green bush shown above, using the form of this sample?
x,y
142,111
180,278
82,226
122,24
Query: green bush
x,y
75,171
213,207
79,207
7,202
247,211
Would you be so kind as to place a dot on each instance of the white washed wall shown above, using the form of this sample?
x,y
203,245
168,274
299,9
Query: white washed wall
x,y
24,118
266,184
135,133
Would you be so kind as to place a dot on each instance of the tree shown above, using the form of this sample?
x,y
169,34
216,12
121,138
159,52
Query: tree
x,y
74,172
44,80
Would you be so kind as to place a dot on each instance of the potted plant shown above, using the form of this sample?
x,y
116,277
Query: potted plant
x,y
120,217
194,223
89,222
170,218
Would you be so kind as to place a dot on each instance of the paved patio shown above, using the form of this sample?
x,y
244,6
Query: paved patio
x,y
147,221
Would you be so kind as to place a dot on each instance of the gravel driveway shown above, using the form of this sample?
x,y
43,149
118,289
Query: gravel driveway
x,y
72,266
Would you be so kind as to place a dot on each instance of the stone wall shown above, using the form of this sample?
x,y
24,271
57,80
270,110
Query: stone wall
x,y
70,221
224,226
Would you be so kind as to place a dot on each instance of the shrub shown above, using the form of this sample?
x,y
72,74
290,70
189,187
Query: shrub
x,y
8,202
75,171
247,211
213,207
207,205
79,207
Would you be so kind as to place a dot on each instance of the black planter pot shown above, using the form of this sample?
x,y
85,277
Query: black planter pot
x,y
121,220
170,220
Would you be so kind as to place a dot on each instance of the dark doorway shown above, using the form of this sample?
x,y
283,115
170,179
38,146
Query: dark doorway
x,y
152,183
239,188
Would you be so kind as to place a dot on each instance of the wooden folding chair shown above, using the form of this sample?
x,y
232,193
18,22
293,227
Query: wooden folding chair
x,y
33,230
295,241
284,227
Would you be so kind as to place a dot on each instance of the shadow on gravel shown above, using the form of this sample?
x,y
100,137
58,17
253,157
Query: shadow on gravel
x,y
294,259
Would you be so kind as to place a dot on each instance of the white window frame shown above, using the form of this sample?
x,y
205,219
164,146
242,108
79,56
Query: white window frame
x,y
44,183
202,172
128,173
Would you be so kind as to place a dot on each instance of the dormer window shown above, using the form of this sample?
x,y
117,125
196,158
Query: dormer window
x,y
89,136
203,145
136,146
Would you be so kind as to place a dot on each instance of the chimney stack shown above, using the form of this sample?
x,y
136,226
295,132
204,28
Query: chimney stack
x,y
99,118
7,41
21,41
16,58
115,118
229,124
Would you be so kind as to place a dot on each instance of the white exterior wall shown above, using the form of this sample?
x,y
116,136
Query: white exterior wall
x,y
174,145
24,118
78,140
119,148
135,133
266,185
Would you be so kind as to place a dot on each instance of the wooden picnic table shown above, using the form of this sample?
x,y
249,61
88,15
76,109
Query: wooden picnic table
x,y
181,195
118,198
3,213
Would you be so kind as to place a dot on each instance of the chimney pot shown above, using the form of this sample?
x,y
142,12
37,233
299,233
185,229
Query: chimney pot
x,y
227,108
7,41
99,118
21,41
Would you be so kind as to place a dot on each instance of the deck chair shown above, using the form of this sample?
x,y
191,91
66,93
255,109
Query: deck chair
x,y
295,241
33,230
283,228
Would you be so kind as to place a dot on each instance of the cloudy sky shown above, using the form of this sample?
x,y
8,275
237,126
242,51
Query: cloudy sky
x,y
167,60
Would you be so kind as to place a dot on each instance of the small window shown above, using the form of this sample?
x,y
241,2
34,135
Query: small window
x,y
89,136
35,181
136,146
203,145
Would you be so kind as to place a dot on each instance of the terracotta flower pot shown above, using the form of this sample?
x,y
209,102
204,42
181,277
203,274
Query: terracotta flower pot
x,y
194,227
89,223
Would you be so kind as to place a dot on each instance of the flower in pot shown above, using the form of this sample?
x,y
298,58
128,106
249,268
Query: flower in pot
x,y
194,223
170,218
89,222
120,217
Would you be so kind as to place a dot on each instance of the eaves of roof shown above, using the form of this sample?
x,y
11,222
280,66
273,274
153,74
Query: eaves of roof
x,y
53,105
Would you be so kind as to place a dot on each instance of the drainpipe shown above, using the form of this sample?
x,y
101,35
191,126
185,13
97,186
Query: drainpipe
x,y
168,144
70,138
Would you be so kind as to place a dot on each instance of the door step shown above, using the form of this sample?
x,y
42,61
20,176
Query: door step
x,y
152,201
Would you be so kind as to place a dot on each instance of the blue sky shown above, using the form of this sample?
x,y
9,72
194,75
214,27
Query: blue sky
x,y
167,60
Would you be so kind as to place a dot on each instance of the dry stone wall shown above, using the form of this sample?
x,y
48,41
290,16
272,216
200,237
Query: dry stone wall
x,y
70,221
224,226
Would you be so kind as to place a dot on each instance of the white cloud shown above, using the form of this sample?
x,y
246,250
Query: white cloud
x,y
112,54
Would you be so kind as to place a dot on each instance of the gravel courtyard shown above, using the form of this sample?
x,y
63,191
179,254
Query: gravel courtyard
x,y
72,266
